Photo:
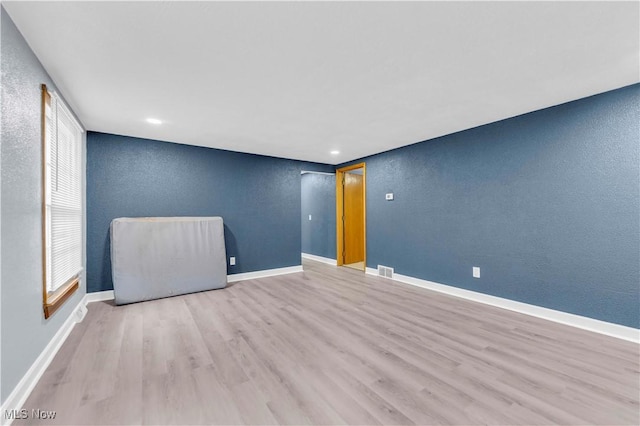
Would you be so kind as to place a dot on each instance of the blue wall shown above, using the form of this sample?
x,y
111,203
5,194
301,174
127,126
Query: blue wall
x,y
23,330
319,201
258,197
547,204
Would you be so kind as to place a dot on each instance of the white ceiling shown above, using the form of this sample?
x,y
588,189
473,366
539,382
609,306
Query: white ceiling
x,y
300,79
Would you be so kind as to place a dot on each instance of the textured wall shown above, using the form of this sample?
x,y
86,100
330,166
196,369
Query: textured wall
x,y
258,198
319,201
547,204
25,332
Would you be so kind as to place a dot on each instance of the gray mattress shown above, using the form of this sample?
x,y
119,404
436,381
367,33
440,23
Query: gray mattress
x,y
158,257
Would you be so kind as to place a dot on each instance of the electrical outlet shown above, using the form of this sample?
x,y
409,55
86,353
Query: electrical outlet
x,y
476,272
232,260
389,196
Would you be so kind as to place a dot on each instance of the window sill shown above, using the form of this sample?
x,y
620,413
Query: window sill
x,y
57,299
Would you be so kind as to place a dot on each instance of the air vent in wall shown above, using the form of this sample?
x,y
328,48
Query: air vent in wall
x,y
385,271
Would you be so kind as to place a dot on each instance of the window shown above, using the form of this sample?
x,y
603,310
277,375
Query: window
x,y
62,201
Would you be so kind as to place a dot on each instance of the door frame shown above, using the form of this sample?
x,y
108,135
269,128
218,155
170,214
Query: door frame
x,y
340,211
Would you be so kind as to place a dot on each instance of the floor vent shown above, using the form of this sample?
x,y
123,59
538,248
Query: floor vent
x,y
385,271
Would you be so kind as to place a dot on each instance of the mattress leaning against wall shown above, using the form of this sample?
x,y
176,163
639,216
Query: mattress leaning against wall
x,y
157,257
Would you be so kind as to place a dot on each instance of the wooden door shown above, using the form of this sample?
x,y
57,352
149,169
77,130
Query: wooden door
x,y
353,218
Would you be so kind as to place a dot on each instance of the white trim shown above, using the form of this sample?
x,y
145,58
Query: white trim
x,y
99,296
614,330
372,271
264,273
109,295
304,172
19,395
326,260
23,389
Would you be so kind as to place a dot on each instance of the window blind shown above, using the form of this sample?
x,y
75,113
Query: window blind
x,y
63,194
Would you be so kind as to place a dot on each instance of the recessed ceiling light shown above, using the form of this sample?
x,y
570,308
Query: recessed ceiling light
x,y
334,152
154,121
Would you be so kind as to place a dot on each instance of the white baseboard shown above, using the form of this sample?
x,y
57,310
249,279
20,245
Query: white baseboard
x,y
108,295
21,392
99,296
614,330
264,273
371,271
19,395
326,260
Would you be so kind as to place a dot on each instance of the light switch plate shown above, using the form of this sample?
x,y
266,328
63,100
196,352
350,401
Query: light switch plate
x,y
309,217
389,196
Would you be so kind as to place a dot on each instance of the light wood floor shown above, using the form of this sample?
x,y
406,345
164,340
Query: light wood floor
x,y
333,346
359,266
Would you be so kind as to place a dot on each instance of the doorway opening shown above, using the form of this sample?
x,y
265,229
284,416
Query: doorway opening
x,y
351,222
318,220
